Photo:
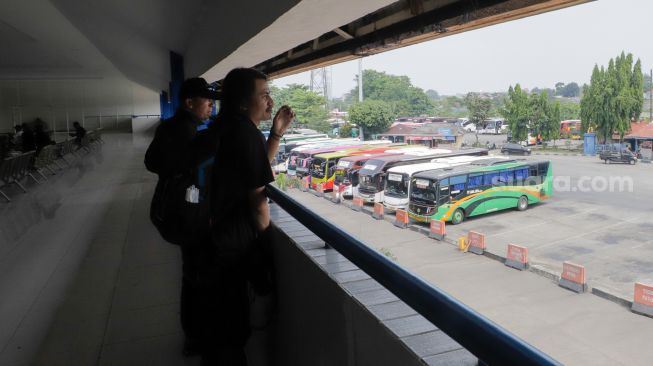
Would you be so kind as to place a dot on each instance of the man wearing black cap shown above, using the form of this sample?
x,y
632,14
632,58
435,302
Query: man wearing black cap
x,y
170,148
172,152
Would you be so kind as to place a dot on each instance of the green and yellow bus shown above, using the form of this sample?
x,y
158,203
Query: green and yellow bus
x,y
465,191
323,166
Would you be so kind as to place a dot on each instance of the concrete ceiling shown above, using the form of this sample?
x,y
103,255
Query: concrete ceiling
x,y
50,39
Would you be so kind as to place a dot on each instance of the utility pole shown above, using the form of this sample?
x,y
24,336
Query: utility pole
x,y
360,93
650,98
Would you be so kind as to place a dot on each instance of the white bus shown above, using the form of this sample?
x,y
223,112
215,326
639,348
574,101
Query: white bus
x,y
396,191
494,126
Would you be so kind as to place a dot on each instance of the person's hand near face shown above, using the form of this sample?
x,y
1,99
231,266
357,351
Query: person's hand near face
x,y
282,120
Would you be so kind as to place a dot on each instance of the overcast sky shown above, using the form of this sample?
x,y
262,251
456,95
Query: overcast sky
x,y
537,51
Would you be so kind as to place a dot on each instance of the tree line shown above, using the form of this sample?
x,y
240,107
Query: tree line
x,y
386,97
613,98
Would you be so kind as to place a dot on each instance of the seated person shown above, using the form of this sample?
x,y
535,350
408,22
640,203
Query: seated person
x,y
79,134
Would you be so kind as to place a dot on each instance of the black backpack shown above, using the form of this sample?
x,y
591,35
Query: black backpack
x,y
176,219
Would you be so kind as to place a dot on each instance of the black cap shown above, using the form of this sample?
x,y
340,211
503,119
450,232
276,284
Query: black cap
x,y
197,87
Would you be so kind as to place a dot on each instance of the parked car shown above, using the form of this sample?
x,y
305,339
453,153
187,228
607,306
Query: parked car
x,y
469,127
618,156
515,149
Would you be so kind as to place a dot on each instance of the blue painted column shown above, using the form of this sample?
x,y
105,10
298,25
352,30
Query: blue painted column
x,y
170,102
176,78
589,143
166,106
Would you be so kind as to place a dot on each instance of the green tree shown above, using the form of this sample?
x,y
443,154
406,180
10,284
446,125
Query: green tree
x,y
432,94
308,106
516,111
614,97
538,113
559,86
404,98
551,130
345,130
571,90
479,110
450,106
569,110
375,116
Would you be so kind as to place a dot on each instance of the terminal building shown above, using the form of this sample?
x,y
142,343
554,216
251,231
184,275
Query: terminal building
x,y
85,279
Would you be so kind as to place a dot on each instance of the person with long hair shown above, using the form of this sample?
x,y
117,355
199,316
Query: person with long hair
x,y
240,220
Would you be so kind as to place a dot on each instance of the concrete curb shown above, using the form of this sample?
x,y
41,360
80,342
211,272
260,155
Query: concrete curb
x,y
611,297
532,267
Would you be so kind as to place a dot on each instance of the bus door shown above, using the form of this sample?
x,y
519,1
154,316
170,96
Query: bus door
x,y
330,173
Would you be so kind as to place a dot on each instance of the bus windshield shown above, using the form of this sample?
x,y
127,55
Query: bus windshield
x,y
422,191
396,185
317,167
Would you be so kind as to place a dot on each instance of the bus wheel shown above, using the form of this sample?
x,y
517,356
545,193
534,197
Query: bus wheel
x,y
523,203
458,216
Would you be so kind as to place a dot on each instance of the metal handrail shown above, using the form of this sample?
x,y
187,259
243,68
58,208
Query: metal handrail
x,y
492,344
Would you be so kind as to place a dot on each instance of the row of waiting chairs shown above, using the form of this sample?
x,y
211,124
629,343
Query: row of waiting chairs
x,y
17,168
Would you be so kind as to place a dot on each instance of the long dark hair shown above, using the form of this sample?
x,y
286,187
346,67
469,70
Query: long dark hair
x,y
238,88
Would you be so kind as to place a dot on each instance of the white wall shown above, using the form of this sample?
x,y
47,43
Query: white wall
x,y
94,102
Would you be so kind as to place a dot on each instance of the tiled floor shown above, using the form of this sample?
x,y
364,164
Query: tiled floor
x,y
84,278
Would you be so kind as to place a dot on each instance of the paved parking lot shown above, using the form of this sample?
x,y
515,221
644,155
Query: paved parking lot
x,y
574,329
599,216
609,231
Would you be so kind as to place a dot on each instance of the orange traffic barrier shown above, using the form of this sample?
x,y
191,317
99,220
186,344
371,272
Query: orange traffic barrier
x,y
573,277
401,219
378,211
476,242
357,204
517,257
437,229
643,302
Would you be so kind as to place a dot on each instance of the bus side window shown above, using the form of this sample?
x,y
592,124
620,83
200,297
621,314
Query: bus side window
x,y
490,179
543,169
475,181
533,176
443,195
505,177
457,186
521,175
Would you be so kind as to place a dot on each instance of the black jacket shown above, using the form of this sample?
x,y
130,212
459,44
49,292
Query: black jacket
x,y
171,150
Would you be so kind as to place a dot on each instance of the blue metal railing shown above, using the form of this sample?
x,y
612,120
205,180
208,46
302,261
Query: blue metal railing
x,y
492,344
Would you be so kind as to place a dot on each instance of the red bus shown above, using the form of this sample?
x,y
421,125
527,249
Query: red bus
x,y
570,129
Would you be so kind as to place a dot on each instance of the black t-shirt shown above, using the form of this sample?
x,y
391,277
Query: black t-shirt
x,y
170,151
241,165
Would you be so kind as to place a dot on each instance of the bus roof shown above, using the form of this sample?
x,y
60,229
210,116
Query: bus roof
x,y
488,165
328,149
339,153
378,164
415,168
334,148
319,144
444,163
367,156
370,149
